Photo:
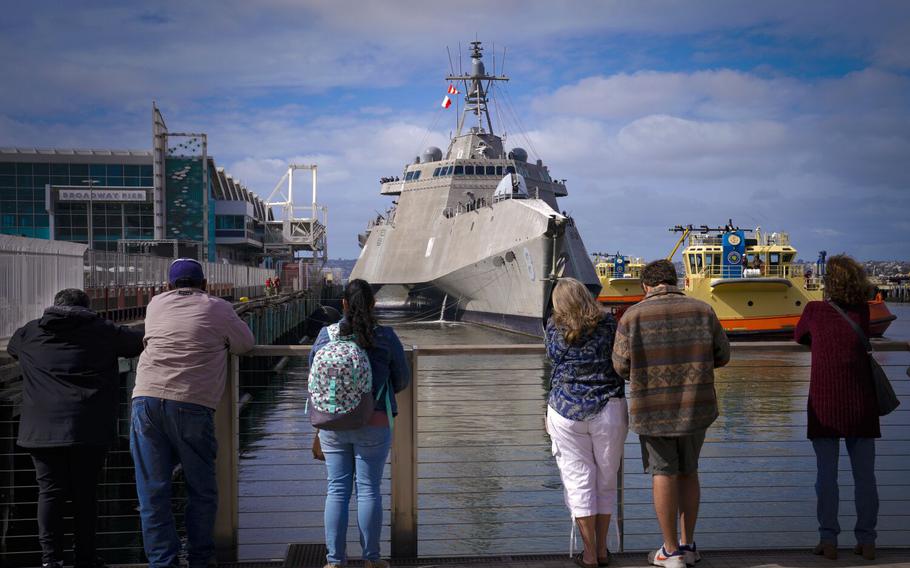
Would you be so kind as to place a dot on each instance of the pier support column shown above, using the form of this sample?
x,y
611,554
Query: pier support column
x,y
404,469
227,432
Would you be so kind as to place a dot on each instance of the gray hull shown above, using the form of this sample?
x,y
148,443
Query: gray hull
x,y
492,263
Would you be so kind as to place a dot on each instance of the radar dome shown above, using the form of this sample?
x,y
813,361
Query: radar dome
x,y
432,154
519,154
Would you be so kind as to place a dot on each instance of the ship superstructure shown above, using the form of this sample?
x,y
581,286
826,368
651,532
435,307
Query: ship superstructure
x,y
752,280
477,228
620,278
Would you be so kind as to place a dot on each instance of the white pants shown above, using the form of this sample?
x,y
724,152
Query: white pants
x,y
588,454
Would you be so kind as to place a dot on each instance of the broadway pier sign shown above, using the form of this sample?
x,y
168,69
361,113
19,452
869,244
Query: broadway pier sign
x,y
102,195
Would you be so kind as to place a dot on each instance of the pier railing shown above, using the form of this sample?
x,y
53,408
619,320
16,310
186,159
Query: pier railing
x,y
471,472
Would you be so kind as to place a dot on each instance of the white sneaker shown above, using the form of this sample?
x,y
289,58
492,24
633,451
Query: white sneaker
x,y
660,558
691,553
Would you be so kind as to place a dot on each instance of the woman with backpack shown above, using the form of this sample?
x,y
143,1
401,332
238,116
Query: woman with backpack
x,y
587,416
359,454
842,402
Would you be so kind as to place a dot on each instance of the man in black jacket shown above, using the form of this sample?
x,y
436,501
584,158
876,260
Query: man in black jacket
x,y
71,375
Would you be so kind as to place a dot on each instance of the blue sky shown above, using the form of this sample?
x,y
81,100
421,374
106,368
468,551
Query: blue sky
x,y
794,116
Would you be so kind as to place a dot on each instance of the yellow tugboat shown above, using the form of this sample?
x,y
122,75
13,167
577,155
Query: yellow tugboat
x,y
620,279
750,280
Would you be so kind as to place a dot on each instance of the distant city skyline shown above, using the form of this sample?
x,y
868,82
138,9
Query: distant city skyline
x,y
790,116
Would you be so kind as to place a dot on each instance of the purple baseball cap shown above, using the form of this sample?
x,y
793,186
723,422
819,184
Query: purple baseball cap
x,y
185,268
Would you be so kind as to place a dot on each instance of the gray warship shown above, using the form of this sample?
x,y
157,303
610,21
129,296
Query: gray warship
x,y
477,233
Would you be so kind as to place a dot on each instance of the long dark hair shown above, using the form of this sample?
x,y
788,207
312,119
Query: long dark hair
x,y
359,319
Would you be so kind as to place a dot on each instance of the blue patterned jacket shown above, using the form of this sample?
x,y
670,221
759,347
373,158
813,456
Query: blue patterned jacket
x,y
583,379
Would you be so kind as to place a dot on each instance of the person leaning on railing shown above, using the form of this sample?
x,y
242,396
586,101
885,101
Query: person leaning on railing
x,y
668,346
68,415
179,381
587,418
360,455
842,403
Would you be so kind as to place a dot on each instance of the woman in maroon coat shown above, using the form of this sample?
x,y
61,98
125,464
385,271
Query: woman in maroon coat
x,y
842,403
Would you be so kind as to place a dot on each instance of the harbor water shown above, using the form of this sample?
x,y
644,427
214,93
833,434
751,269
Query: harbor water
x,y
488,483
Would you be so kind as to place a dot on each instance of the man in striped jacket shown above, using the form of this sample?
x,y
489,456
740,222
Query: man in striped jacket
x,y
667,346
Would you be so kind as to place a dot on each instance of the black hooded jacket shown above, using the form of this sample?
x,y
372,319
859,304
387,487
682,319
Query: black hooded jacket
x,y
71,376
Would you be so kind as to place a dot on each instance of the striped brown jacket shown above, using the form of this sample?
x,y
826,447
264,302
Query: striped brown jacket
x,y
667,347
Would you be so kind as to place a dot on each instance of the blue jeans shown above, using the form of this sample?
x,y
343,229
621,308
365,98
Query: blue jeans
x,y
354,455
164,433
865,494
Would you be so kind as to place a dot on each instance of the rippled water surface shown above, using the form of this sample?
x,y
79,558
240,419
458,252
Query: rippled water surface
x,y
488,484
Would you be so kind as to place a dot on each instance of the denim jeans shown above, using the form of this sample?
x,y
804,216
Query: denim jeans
x,y
354,455
163,434
865,493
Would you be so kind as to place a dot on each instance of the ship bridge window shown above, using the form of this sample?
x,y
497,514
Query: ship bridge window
x,y
774,258
436,172
449,170
787,258
499,171
459,170
416,176
491,170
510,169
409,176
469,170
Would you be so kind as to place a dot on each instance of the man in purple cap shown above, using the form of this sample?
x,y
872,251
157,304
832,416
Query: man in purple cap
x,y
179,381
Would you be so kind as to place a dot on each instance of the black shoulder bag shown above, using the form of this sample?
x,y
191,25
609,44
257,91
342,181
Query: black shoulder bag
x,y
884,392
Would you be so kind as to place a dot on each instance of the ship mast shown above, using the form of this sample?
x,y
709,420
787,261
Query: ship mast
x,y
476,86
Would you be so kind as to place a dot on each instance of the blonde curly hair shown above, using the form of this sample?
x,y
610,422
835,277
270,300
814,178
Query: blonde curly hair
x,y
575,312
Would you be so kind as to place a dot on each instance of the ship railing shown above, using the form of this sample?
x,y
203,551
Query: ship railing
x,y
735,271
705,240
454,487
461,208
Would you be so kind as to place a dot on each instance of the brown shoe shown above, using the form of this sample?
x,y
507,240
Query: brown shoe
x,y
826,549
375,564
867,550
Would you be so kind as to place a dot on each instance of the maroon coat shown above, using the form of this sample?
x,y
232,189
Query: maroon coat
x,y
842,401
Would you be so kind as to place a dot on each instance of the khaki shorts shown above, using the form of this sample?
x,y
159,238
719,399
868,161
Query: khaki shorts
x,y
671,455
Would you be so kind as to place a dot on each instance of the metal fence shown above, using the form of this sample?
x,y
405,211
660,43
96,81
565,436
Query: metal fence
x,y
106,269
31,272
471,471
473,474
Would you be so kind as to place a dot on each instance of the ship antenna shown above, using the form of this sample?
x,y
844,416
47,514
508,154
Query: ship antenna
x,y
451,66
477,85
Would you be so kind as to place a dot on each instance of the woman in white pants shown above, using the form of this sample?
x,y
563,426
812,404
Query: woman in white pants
x,y
587,418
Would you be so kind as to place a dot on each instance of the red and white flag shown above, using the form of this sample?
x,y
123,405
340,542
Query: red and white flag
x,y
452,89
446,102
